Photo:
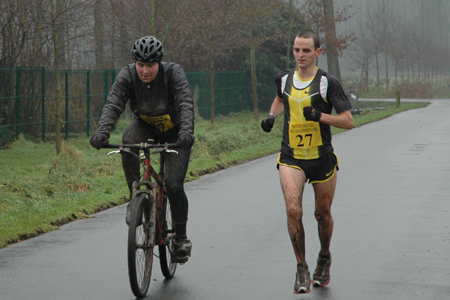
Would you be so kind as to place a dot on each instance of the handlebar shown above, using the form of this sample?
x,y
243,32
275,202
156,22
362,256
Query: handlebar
x,y
143,146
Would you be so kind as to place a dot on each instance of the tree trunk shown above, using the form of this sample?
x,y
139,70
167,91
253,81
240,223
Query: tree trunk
x,y
396,71
56,49
67,44
60,34
98,35
330,37
124,47
418,67
153,25
211,74
387,75
378,74
289,38
366,88
253,72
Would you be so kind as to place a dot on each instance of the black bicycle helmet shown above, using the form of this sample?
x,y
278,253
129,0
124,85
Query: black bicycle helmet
x,y
147,49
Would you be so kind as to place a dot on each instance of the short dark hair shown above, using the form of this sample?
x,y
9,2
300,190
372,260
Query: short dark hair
x,y
308,33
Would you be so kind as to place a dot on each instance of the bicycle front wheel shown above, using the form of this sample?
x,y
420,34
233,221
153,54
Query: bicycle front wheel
x,y
140,249
168,266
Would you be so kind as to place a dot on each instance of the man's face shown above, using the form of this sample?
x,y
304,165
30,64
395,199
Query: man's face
x,y
304,53
147,71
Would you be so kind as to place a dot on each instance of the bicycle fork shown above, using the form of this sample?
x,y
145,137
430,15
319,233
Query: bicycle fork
x,y
152,224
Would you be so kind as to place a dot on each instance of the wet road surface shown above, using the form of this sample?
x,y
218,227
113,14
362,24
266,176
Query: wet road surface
x,y
391,238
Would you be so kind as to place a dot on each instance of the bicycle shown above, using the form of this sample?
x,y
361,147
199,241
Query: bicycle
x,y
151,219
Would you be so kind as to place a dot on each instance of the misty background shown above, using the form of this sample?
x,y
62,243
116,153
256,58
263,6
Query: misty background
x,y
374,47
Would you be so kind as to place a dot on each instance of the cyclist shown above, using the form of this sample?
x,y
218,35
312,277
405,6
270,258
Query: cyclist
x,y
163,108
307,96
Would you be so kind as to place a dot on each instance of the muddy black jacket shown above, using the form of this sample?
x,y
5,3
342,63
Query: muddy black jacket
x,y
169,93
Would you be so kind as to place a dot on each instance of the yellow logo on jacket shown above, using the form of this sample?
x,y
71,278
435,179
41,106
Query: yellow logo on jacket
x,y
162,123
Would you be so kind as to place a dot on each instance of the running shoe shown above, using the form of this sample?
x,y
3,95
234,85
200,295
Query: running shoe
x,y
302,279
182,250
321,275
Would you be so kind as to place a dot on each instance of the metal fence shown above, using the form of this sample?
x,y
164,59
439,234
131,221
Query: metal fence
x,y
27,99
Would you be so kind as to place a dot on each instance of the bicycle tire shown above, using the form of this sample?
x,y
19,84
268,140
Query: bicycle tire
x,y
168,266
140,251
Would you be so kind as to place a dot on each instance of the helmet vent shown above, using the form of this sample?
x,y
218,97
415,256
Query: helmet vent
x,y
147,49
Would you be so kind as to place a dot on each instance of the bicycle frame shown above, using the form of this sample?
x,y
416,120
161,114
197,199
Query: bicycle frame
x,y
156,188
150,172
148,225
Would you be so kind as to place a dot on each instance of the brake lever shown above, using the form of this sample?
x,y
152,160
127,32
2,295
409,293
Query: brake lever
x,y
114,152
122,150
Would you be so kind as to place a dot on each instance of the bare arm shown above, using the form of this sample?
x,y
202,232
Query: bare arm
x,y
277,107
343,120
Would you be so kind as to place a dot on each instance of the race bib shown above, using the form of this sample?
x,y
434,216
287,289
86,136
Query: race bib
x,y
304,134
162,123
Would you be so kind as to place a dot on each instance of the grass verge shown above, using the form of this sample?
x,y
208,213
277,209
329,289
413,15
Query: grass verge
x,y
39,191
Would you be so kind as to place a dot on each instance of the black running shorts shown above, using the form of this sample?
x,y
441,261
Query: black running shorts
x,y
316,170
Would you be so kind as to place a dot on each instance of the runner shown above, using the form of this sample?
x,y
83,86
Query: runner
x,y
307,96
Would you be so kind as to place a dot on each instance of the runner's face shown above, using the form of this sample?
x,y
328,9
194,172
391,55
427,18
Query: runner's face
x,y
147,71
304,53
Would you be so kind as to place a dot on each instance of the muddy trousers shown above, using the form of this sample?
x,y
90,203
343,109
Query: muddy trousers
x,y
175,168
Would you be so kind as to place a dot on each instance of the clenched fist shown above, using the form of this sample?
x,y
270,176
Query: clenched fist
x,y
267,123
311,114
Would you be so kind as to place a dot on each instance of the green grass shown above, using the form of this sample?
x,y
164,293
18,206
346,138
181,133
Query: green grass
x,y
39,191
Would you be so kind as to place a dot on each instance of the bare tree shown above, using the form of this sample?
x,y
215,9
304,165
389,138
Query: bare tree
x,y
15,26
323,19
295,21
384,16
255,12
211,26
399,47
58,17
362,56
373,29
161,19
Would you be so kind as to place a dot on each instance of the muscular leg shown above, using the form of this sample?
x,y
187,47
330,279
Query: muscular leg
x,y
292,184
324,194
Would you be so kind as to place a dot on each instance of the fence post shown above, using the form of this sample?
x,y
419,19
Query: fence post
x,y
397,95
43,102
88,100
17,101
67,103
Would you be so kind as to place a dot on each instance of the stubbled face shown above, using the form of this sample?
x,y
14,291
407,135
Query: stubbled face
x,y
304,53
147,71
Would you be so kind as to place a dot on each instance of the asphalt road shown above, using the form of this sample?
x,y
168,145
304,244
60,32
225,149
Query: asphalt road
x,y
391,237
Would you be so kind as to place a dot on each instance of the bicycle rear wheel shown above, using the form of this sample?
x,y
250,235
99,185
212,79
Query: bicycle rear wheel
x,y
140,249
168,266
